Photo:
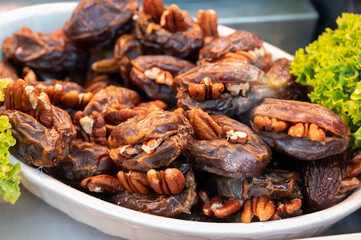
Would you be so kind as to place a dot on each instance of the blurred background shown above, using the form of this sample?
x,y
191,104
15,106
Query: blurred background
x,y
288,24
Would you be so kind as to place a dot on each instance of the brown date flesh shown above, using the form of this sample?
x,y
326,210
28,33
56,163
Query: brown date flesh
x,y
152,89
163,205
336,139
223,158
98,23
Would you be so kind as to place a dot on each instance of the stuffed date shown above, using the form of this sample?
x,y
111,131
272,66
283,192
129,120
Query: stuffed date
x,y
149,140
225,147
154,75
302,130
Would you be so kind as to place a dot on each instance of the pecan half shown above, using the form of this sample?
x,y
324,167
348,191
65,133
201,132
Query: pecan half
x,y
170,181
154,8
217,207
134,182
19,96
107,65
287,209
91,128
262,207
173,19
203,125
206,90
29,75
160,76
102,183
207,20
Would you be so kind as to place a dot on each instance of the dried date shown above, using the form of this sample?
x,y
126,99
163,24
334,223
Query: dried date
x,y
149,140
7,71
98,23
302,130
84,160
225,147
154,75
44,52
243,87
174,33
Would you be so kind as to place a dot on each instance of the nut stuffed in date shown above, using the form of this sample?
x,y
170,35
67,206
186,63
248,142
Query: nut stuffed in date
x,y
222,88
44,52
225,147
98,23
239,47
65,93
163,205
167,30
302,130
84,160
149,140
154,75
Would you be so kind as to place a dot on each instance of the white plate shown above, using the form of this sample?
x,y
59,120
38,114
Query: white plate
x,y
126,223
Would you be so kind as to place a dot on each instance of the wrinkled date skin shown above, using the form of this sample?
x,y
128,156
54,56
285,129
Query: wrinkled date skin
x,y
158,40
112,96
38,145
154,90
84,160
322,179
155,138
235,160
273,183
7,71
292,112
98,23
230,102
41,51
163,205
237,41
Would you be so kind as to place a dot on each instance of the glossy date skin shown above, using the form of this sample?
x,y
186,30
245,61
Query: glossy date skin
x,y
237,41
45,52
163,205
303,148
112,96
228,103
84,160
274,183
221,157
98,23
169,129
152,89
38,145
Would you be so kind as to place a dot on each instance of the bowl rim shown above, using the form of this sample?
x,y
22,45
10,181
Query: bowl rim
x,y
171,225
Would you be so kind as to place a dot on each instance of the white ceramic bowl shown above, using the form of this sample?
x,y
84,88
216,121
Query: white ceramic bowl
x,y
126,223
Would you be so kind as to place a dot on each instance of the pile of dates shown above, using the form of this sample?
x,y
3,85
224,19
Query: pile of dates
x,y
152,110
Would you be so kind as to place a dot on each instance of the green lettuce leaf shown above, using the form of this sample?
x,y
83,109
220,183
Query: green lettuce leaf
x,y
331,65
9,174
